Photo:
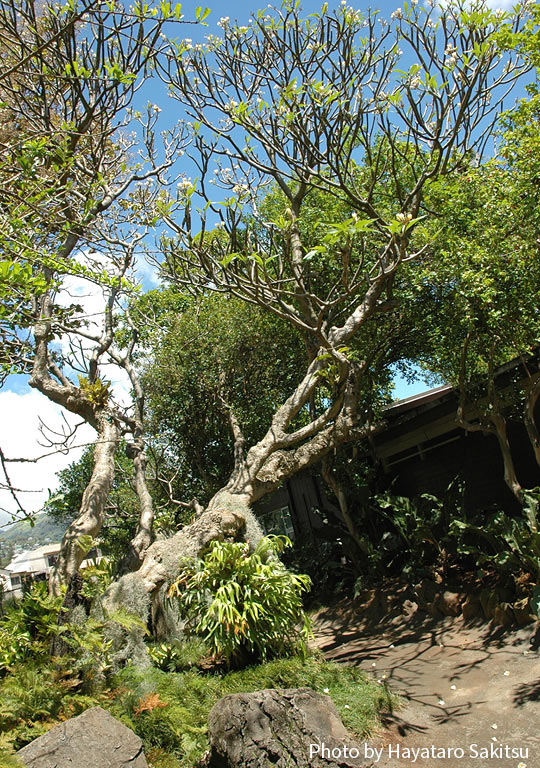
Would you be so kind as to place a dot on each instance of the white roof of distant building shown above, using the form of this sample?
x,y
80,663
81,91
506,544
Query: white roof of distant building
x,y
31,560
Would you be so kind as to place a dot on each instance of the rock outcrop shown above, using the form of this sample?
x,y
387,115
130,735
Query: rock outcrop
x,y
94,739
290,728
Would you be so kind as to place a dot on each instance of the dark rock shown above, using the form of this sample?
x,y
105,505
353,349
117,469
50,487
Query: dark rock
x,y
471,607
449,603
94,739
489,600
426,592
427,596
377,607
281,728
523,612
503,615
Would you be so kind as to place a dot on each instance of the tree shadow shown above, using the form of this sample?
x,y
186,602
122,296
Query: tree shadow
x,y
527,692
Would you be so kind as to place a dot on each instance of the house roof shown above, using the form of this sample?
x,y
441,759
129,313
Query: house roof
x,y
31,560
414,401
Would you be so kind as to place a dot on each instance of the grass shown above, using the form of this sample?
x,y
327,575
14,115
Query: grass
x,y
169,710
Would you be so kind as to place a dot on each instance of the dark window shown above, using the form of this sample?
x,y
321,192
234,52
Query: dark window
x,y
278,521
15,581
51,560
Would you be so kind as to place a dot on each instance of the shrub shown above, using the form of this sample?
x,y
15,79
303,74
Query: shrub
x,y
179,655
33,697
244,605
28,626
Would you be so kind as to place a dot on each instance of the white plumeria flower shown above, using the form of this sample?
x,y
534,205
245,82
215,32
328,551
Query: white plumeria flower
x,y
506,673
453,687
441,702
347,706
326,690
522,765
494,726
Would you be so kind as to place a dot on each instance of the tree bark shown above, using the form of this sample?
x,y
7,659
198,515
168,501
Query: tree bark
x,y
144,536
333,483
528,417
497,426
510,476
92,510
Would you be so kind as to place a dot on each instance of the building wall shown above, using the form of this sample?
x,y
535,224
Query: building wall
x,y
474,458
305,499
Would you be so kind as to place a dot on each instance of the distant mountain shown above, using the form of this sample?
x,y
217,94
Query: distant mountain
x,y
21,535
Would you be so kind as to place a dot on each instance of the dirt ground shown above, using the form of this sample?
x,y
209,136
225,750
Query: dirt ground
x,y
463,685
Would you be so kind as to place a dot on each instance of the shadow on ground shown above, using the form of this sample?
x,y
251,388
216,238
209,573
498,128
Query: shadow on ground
x,y
463,684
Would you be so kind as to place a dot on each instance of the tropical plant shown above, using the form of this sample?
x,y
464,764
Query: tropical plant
x,y
28,625
245,605
504,543
178,655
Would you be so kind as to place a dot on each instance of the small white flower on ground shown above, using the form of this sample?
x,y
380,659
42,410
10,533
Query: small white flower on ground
x,y
347,706
392,646
326,690
373,665
441,702
522,765
494,738
506,673
494,726
453,687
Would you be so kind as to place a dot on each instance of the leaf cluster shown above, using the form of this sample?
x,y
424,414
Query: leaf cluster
x,y
244,605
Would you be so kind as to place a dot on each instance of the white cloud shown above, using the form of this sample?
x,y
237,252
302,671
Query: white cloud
x,y
78,290
20,437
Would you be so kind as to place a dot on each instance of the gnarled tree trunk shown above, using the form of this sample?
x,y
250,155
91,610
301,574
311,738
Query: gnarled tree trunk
x,y
528,417
94,500
144,535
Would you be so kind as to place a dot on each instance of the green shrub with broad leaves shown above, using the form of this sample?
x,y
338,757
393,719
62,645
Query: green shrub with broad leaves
x,y
245,605
28,625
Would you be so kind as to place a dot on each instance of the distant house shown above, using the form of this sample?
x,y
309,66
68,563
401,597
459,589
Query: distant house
x,y
35,565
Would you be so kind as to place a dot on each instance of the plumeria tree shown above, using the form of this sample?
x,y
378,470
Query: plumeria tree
x,y
367,111
79,193
486,269
347,104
